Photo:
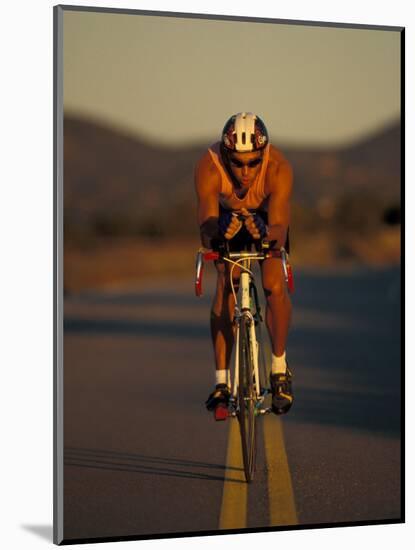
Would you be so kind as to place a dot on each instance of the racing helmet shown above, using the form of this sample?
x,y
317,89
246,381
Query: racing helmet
x,y
244,132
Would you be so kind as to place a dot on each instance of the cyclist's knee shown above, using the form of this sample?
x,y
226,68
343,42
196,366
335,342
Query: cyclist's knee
x,y
228,285
274,287
221,302
215,317
223,293
273,279
220,268
224,279
220,312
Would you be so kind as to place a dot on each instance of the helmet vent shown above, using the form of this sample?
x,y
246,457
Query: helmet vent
x,y
243,138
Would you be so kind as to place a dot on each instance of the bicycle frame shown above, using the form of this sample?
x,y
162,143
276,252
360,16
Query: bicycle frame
x,y
245,311
247,397
243,260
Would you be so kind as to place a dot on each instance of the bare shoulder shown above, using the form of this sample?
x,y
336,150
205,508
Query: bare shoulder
x,y
279,173
206,173
205,163
277,158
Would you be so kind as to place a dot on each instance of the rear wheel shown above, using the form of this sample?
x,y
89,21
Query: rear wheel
x,y
246,400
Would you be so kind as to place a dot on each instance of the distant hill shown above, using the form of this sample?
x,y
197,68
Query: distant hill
x,y
111,178
372,165
107,172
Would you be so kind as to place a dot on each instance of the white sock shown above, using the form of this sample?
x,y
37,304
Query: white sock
x,y
278,364
222,376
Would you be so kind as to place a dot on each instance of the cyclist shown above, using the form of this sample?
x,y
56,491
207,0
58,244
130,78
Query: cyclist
x,y
244,174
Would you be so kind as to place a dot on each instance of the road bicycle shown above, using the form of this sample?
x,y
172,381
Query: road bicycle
x,y
250,381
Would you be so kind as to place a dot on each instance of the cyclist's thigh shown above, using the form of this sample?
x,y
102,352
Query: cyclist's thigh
x,y
273,279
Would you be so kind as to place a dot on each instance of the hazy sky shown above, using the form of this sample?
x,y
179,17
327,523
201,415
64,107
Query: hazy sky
x,y
176,79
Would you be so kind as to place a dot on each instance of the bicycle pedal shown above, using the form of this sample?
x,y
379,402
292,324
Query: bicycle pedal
x,y
221,412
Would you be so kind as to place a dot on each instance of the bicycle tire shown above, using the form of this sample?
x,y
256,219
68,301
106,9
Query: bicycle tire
x,y
246,395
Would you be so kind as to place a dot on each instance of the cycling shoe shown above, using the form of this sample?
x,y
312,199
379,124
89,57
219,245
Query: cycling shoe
x,y
282,392
218,401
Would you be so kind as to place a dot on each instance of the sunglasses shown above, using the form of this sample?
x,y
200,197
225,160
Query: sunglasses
x,y
250,164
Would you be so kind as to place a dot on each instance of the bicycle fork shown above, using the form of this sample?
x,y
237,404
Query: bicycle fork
x,y
254,350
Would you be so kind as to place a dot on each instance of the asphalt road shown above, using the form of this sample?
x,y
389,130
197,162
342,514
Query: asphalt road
x,y
143,457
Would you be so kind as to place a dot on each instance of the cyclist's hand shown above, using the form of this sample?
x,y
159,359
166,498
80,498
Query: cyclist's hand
x,y
229,225
254,224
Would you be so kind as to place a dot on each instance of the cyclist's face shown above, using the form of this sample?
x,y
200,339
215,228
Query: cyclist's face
x,y
245,166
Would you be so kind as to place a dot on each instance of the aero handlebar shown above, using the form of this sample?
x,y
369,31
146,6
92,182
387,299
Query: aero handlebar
x,y
202,256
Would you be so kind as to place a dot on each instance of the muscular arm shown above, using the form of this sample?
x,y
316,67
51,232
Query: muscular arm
x,y
279,204
207,183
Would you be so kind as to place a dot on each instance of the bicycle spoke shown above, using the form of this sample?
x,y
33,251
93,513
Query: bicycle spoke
x,y
246,395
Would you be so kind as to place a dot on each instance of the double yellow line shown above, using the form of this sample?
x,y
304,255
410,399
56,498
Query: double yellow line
x,y
234,510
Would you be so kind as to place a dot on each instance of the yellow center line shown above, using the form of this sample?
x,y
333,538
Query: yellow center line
x,y
281,503
282,510
235,489
280,491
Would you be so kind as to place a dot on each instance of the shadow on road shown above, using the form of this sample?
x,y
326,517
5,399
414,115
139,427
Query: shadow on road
x,y
162,329
138,298
138,463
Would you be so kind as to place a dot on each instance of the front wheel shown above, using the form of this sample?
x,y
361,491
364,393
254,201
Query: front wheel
x,y
246,399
